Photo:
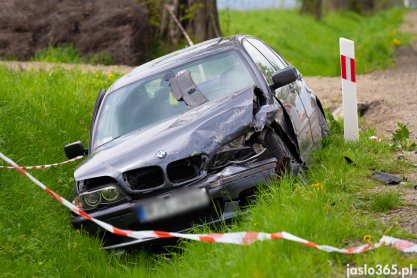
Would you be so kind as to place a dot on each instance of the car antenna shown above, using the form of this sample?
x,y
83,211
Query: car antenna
x,y
170,9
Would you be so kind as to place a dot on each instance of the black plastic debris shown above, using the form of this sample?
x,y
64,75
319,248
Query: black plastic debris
x,y
401,157
386,178
415,187
349,160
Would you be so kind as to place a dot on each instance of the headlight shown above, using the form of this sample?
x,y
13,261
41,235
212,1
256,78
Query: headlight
x,y
92,199
110,194
105,195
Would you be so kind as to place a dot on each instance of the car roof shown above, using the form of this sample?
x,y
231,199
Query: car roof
x,y
178,57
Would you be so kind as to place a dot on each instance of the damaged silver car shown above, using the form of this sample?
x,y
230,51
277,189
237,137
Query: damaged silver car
x,y
185,139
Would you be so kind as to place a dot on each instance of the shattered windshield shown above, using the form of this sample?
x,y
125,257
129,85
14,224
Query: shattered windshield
x,y
150,100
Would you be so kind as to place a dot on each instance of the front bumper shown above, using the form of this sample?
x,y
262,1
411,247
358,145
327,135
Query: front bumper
x,y
227,190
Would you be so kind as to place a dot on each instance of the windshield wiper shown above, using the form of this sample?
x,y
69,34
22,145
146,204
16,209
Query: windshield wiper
x,y
111,140
184,88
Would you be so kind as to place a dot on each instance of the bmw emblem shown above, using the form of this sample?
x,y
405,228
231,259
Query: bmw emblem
x,y
161,154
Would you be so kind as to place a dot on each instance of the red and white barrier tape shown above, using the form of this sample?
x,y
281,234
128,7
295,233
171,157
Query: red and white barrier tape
x,y
44,166
241,238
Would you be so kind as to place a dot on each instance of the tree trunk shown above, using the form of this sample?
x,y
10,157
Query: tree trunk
x,y
204,22
359,6
362,6
339,4
198,17
313,7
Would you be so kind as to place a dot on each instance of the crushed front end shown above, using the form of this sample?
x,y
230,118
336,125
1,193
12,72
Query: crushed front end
x,y
195,169
215,197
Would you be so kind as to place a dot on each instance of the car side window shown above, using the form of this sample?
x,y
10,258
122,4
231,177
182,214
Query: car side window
x,y
264,66
269,54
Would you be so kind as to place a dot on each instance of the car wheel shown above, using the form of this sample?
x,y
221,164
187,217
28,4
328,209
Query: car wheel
x,y
278,149
324,127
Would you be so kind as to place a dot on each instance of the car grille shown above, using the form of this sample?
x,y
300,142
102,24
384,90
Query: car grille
x,y
178,171
184,169
145,178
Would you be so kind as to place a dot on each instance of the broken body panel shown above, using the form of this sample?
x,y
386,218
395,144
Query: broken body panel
x,y
214,152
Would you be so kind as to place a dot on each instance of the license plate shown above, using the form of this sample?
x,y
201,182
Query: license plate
x,y
175,204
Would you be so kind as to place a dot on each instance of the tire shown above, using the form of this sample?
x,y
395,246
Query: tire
x,y
277,147
324,127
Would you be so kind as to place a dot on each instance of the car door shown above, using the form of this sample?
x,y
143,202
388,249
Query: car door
x,y
268,63
307,96
312,110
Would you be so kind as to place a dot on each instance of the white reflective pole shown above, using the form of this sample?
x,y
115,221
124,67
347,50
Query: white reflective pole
x,y
348,75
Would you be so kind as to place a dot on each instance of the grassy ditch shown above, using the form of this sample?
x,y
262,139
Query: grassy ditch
x,y
313,46
40,112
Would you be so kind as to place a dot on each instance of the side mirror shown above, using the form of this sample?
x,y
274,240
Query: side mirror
x,y
284,77
75,149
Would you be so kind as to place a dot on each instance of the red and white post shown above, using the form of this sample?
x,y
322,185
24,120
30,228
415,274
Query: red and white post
x,y
348,74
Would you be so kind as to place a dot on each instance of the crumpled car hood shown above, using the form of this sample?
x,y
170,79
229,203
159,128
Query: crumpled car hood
x,y
203,129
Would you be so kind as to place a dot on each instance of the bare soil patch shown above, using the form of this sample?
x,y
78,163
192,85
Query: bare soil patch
x,y
393,92
42,66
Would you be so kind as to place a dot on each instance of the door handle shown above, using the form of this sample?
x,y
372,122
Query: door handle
x,y
292,88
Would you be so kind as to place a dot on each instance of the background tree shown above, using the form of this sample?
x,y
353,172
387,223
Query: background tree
x,y
361,6
337,4
313,7
198,17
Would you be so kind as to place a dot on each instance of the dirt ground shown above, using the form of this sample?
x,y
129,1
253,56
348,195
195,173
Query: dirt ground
x,y
41,66
392,93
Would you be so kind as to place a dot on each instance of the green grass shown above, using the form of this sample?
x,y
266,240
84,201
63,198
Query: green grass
x,y
58,54
69,54
313,46
40,112
385,201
